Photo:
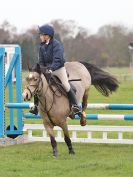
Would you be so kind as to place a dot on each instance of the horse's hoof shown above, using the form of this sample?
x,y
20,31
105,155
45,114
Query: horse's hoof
x,y
55,154
83,122
71,152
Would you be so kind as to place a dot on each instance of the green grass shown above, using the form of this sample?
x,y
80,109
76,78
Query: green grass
x,y
90,160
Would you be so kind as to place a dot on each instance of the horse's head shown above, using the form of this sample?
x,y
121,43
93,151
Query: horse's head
x,y
34,81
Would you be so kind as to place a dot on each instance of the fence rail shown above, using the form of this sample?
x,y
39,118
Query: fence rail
x,y
89,130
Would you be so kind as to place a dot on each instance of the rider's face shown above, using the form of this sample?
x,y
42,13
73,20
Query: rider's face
x,y
44,37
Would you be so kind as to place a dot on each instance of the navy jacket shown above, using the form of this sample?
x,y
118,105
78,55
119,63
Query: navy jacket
x,y
51,55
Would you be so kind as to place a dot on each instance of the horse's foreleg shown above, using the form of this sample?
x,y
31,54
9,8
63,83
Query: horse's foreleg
x,y
54,145
67,139
49,129
84,106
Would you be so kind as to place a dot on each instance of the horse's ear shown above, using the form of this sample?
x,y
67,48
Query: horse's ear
x,y
37,68
28,66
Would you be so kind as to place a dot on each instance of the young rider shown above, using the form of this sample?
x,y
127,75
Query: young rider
x,y
51,55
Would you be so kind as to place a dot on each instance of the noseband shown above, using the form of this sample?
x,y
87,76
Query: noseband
x,y
37,91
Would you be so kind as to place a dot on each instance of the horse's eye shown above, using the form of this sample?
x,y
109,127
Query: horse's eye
x,y
27,79
35,79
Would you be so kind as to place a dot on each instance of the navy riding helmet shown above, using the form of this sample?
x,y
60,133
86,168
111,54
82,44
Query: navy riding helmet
x,y
46,29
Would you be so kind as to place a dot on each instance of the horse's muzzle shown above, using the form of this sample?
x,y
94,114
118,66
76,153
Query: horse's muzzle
x,y
26,95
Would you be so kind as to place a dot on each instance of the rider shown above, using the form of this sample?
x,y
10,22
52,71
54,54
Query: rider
x,y
51,55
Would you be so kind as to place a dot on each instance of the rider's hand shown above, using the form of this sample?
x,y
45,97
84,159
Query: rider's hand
x,y
50,71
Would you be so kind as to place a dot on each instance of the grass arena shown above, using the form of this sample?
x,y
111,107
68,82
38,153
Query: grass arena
x,y
109,160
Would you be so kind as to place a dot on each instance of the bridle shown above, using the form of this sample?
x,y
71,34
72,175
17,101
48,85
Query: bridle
x,y
38,92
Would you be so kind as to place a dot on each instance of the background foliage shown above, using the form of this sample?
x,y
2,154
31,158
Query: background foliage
x,y
108,47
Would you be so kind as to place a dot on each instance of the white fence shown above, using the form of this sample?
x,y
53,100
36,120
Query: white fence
x,y
124,77
88,129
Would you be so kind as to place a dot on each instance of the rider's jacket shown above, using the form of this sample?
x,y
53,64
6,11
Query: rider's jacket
x,y
51,55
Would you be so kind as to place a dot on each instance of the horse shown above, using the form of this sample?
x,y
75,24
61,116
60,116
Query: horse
x,y
54,107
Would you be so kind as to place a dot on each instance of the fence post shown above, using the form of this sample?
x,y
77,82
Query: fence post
x,y
2,93
6,81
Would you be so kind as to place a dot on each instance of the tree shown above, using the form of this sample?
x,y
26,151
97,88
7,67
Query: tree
x,y
116,44
108,47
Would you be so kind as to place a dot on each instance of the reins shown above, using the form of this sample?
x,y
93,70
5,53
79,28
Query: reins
x,y
39,92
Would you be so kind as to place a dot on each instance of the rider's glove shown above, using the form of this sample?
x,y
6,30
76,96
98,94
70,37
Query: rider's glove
x,y
50,71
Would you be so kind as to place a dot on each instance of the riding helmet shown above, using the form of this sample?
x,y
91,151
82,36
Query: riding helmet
x,y
46,29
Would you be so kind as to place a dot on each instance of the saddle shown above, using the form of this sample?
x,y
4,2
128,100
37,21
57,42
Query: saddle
x,y
55,81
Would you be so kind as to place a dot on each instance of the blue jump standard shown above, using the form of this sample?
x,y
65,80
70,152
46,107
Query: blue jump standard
x,y
121,106
18,105
108,117
110,106
90,106
90,116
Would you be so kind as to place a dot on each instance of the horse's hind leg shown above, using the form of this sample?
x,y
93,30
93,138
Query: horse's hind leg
x,y
67,138
49,129
84,106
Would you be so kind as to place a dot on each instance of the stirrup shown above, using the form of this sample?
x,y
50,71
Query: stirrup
x,y
34,110
76,109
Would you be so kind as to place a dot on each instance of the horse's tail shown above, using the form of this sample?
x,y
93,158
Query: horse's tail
x,y
103,81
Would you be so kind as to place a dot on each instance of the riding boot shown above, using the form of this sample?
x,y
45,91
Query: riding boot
x,y
34,109
72,98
